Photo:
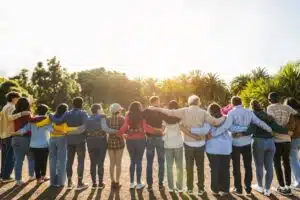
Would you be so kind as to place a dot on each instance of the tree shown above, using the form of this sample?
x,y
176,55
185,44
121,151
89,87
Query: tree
x,y
8,86
239,83
289,78
54,85
258,73
23,80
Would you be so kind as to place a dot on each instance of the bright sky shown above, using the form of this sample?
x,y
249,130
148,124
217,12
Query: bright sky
x,y
157,38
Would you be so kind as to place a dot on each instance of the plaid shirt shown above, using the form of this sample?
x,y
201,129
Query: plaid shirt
x,y
115,142
281,114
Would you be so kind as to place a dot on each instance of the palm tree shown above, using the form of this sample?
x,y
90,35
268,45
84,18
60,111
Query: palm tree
x,y
239,83
259,72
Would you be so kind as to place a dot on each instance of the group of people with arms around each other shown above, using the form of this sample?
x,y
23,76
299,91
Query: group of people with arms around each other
x,y
268,136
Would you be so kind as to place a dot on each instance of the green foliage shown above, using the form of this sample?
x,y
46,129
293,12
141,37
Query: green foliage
x,y
101,86
54,85
286,82
23,80
7,86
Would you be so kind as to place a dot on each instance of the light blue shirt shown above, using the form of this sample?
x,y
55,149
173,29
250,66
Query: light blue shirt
x,y
240,116
39,135
221,141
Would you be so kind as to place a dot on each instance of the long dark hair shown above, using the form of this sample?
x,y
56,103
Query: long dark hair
x,y
255,106
172,120
61,109
22,105
135,114
215,110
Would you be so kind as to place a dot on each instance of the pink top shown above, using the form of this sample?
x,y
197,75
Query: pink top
x,y
225,110
138,133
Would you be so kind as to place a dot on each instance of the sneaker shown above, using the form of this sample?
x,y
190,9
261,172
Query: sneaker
x,y
288,191
257,188
267,193
237,192
283,191
149,188
20,183
248,193
214,193
161,187
132,186
101,186
94,186
201,192
82,186
140,186
8,180
70,186
190,192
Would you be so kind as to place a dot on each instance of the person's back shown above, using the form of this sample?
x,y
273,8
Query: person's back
x,y
173,136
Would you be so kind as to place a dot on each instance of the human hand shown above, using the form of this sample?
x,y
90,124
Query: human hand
x,y
208,136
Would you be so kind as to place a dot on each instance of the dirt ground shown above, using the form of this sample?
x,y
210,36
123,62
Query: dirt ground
x,y
44,192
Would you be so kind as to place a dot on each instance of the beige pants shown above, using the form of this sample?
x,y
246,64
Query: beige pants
x,y
115,157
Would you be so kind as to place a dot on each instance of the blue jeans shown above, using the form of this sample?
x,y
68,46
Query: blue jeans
x,y
21,149
263,154
58,160
295,162
158,144
176,155
7,158
97,157
136,150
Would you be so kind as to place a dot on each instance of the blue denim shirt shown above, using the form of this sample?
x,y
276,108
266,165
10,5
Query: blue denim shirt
x,y
39,135
243,117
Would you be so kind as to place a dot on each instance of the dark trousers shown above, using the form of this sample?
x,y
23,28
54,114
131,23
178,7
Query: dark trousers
x,y
97,157
282,153
220,178
7,158
40,156
158,144
245,151
136,150
78,149
192,155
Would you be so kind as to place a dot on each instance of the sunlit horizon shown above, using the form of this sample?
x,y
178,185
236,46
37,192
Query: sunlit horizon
x,y
155,38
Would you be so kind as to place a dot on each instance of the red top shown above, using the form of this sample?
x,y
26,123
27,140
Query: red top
x,y
137,133
22,121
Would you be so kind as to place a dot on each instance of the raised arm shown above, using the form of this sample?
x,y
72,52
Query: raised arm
x,y
213,121
255,120
224,127
174,112
106,128
59,120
